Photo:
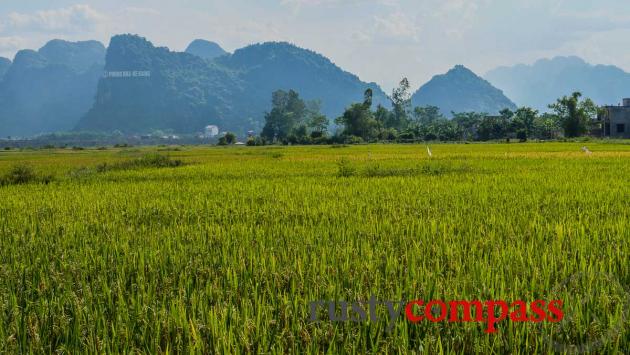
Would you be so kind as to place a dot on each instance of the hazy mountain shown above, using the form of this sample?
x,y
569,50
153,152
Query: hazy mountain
x,y
267,67
185,92
50,89
4,66
79,56
546,80
205,49
461,90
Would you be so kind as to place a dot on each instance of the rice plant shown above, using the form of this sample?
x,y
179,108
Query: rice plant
x,y
225,253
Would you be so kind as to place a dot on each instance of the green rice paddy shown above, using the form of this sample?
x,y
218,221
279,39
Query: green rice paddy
x,y
224,252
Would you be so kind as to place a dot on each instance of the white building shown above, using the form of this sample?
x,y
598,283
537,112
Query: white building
x,y
211,131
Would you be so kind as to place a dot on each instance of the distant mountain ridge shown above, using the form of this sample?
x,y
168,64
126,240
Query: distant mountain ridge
x,y
461,90
205,49
79,56
541,83
49,89
270,66
186,92
4,66
183,92
61,86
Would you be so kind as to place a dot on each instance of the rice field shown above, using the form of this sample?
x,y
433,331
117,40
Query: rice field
x,y
224,252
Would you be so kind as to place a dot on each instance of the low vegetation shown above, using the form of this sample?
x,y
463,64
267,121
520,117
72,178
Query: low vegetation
x,y
23,174
226,255
371,170
146,161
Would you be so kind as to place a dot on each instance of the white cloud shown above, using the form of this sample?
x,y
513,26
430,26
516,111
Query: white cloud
x,y
10,44
307,2
457,17
142,11
76,18
380,40
325,2
398,26
22,30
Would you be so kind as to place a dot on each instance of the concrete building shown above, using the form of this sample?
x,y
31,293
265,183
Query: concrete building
x,y
615,120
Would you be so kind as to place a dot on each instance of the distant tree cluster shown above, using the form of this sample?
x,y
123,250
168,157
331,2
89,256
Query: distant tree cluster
x,y
295,121
292,120
227,139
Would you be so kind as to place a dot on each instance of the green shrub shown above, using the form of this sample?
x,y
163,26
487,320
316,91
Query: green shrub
x,y
345,169
146,161
24,174
354,140
157,161
230,138
20,174
379,171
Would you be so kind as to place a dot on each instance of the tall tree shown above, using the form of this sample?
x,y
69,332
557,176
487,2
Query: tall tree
x,y
492,127
469,123
288,113
367,98
319,125
426,114
547,126
316,121
382,116
575,115
358,120
401,106
523,122
506,115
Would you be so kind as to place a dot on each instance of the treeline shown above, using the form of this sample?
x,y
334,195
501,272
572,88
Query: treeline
x,y
295,121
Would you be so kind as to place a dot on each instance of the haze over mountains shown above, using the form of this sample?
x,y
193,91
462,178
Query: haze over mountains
x,y
182,93
205,49
539,84
50,89
61,86
461,90
185,92
4,66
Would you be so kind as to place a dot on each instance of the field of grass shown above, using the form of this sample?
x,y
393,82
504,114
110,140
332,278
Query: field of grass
x,y
224,253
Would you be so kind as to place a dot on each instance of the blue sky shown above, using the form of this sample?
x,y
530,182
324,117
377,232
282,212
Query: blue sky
x,y
379,40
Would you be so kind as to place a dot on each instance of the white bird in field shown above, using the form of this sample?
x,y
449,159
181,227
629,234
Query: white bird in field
x,y
429,152
586,150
